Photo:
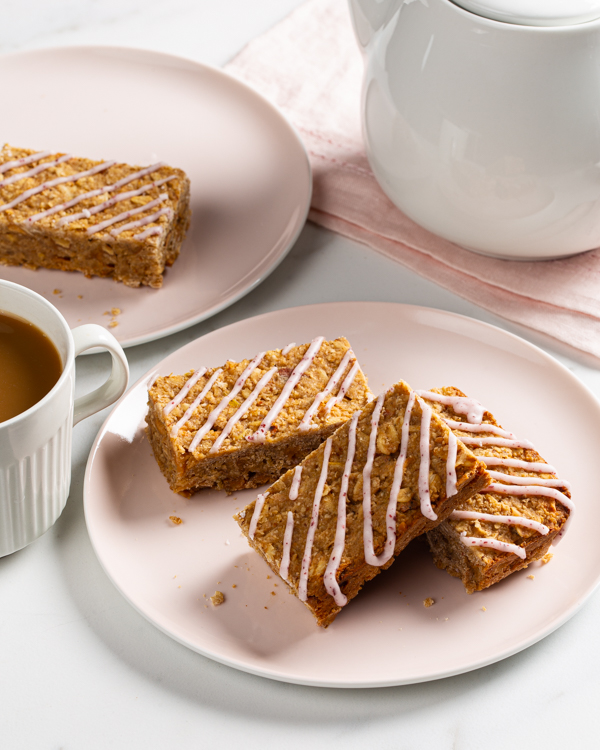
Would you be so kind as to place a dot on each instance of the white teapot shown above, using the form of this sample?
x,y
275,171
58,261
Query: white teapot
x,y
481,119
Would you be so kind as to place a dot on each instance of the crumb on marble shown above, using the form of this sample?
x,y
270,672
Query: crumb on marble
x,y
531,577
176,520
546,558
217,598
429,602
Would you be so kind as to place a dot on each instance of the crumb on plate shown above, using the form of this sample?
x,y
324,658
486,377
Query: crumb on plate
x,y
217,598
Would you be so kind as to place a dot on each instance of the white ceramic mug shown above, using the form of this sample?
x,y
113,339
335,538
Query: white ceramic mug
x,y
35,446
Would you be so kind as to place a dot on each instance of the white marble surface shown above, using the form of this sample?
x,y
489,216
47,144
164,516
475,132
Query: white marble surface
x,y
82,669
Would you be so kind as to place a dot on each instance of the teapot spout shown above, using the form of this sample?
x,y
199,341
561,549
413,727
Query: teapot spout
x,y
368,16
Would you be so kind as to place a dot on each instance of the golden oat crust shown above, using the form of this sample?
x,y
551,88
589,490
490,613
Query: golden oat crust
x,y
240,463
354,571
480,567
43,243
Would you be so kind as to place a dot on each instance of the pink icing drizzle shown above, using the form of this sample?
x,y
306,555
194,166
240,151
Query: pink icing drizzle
x,y
85,213
184,391
451,465
141,222
483,427
400,461
306,423
258,506
390,514
216,412
516,463
260,435
512,479
24,161
473,541
370,557
36,170
243,409
424,494
52,183
480,442
303,583
284,566
126,215
461,404
288,349
296,482
329,579
509,520
111,201
148,233
348,380
197,401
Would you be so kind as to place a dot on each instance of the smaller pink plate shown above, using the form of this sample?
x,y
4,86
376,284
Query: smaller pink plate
x,y
168,571
250,175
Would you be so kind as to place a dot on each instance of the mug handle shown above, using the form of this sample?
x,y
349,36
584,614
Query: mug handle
x,y
87,337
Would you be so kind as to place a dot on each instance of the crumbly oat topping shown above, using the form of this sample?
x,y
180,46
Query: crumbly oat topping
x,y
69,213
514,520
200,423
364,449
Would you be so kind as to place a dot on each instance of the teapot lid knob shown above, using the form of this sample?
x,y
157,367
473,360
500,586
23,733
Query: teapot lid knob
x,y
534,12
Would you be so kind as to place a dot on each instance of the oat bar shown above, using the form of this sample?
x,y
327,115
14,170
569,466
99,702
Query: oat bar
x,y
334,522
102,218
245,423
514,520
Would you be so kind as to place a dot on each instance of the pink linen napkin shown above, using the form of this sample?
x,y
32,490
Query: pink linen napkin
x,y
310,67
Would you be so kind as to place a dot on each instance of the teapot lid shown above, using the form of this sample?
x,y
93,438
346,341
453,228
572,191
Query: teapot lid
x,y
535,12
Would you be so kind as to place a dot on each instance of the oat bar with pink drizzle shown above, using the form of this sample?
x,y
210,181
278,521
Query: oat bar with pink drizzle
x,y
245,423
513,521
344,514
102,218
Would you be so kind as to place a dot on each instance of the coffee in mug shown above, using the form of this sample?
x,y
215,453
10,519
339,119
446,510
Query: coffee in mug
x,y
31,365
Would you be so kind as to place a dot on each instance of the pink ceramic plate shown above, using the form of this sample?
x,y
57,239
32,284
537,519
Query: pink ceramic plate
x,y
385,636
250,175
